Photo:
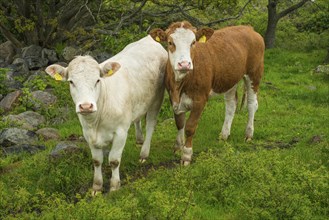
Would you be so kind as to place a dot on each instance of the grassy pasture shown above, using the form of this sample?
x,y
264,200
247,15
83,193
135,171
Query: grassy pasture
x,y
282,174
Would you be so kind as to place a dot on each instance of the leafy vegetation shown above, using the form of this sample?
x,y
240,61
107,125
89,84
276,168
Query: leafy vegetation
x,y
282,174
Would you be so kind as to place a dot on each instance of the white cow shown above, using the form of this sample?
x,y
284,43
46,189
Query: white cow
x,y
111,95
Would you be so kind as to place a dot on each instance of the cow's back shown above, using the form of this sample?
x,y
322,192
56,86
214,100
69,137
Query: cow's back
x,y
229,54
140,78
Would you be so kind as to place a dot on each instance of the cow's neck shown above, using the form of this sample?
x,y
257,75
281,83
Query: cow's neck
x,y
179,86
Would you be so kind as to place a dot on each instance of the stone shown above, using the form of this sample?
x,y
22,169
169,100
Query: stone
x,y
69,53
21,65
9,100
42,98
322,69
311,88
33,56
16,74
64,147
7,52
27,120
50,55
102,56
23,148
48,133
17,136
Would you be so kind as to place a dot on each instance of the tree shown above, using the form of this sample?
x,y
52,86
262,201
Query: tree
x,y
274,16
26,22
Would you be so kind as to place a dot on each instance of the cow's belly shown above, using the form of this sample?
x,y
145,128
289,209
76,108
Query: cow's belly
x,y
184,105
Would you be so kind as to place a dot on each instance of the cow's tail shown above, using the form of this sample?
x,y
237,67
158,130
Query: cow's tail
x,y
244,96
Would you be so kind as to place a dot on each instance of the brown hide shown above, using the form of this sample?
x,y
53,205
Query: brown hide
x,y
220,63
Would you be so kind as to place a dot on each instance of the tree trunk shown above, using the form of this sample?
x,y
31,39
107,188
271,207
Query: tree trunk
x,y
9,36
274,17
272,21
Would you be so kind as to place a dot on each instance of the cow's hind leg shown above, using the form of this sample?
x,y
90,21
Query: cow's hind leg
x,y
151,121
97,155
252,106
139,132
230,107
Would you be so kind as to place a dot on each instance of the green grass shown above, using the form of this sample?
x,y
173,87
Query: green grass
x,y
282,174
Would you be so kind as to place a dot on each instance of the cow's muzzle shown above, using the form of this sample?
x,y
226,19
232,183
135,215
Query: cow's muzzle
x,y
184,66
86,108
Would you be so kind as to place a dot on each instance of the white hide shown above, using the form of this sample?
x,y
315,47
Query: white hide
x,y
184,105
132,92
230,107
183,40
252,107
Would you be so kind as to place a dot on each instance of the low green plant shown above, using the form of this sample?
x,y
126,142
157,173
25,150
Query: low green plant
x,y
3,87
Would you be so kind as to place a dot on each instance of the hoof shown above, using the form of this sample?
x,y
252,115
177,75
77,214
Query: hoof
x,y
224,137
114,185
139,142
177,147
113,188
142,160
95,193
185,162
248,139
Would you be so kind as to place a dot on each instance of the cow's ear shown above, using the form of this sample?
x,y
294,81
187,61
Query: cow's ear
x,y
158,35
203,34
109,68
57,72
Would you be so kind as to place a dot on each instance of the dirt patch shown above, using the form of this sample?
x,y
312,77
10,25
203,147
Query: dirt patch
x,y
281,144
315,139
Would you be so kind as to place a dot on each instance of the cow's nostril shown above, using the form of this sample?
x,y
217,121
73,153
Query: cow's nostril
x,y
184,65
86,107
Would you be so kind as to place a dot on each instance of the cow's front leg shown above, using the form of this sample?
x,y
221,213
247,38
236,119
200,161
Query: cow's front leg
x,y
97,155
180,138
119,142
190,128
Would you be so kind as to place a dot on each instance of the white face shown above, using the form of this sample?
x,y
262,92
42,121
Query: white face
x,y
84,78
180,44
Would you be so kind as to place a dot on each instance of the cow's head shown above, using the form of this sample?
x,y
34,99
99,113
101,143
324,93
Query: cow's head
x,y
181,38
85,76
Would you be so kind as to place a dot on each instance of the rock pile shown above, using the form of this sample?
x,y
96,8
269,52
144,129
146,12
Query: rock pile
x,y
19,69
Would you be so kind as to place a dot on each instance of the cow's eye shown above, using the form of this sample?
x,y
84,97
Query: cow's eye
x,y
193,43
71,82
170,43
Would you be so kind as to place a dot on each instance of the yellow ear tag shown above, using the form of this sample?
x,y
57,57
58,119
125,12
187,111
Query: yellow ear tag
x,y
110,72
58,77
157,38
203,39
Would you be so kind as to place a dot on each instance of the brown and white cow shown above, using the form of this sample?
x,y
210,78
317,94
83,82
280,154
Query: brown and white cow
x,y
112,95
205,61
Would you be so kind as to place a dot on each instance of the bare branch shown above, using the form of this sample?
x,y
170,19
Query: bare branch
x,y
88,9
198,22
292,8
